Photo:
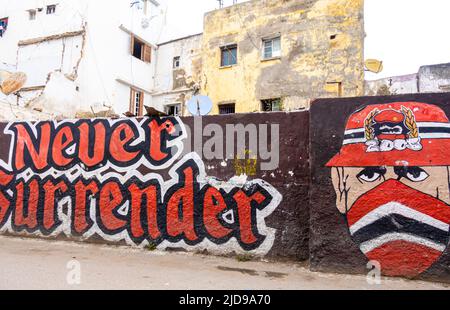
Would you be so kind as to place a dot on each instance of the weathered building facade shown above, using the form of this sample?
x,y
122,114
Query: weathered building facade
x,y
82,58
429,79
269,55
178,68
257,56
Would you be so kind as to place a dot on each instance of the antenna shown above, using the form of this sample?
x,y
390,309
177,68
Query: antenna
x,y
198,107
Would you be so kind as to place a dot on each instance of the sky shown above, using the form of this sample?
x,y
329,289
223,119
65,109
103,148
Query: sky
x,y
404,34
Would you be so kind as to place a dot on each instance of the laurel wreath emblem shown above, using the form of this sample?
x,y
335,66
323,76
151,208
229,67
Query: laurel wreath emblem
x,y
410,122
368,125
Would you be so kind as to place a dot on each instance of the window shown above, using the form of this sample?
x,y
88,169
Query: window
x,y
32,14
335,87
229,108
141,50
272,48
271,105
136,102
228,55
173,110
3,25
176,62
138,47
51,9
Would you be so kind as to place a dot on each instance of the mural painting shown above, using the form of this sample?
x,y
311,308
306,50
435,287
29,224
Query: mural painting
x,y
126,180
391,179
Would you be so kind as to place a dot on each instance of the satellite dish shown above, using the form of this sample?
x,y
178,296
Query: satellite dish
x,y
373,65
11,82
200,105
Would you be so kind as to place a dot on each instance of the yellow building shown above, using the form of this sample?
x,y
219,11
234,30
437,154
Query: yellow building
x,y
269,55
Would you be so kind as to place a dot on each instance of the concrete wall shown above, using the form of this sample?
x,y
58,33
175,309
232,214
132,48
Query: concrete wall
x,y
353,185
398,85
189,190
380,186
429,79
434,78
177,85
321,42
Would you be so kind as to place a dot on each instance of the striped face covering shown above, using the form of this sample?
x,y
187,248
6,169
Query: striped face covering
x,y
403,229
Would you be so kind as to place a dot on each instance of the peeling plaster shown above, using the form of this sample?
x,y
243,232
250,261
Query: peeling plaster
x,y
59,97
310,58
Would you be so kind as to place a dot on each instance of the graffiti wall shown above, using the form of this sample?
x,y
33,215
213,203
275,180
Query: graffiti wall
x,y
215,184
355,185
380,194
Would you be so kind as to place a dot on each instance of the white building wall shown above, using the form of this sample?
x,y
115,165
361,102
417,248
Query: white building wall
x,y
434,79
20,27
39,61
108,59
166,92
429,79
106,70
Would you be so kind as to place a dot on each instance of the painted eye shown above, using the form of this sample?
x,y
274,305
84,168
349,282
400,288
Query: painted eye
x,y
371,175
417,175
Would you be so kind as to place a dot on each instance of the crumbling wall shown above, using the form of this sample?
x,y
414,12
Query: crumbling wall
x,y
321,43
92,49
53,64
10,111
58,98
45,55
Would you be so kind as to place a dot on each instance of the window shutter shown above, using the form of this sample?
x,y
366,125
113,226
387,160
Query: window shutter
x,y
131,44
132,99
147,53
141,104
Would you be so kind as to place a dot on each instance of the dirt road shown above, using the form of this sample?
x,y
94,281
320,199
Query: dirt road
x,y
36,264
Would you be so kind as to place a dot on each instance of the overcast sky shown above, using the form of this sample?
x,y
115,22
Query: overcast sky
x,y
405,34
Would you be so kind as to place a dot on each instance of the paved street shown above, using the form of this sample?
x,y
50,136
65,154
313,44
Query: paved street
x,y
36,264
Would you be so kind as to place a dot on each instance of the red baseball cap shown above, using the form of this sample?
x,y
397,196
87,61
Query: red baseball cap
x,y
395,134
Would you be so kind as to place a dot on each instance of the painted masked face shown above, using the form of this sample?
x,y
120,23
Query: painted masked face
x,y
401,227
392,184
